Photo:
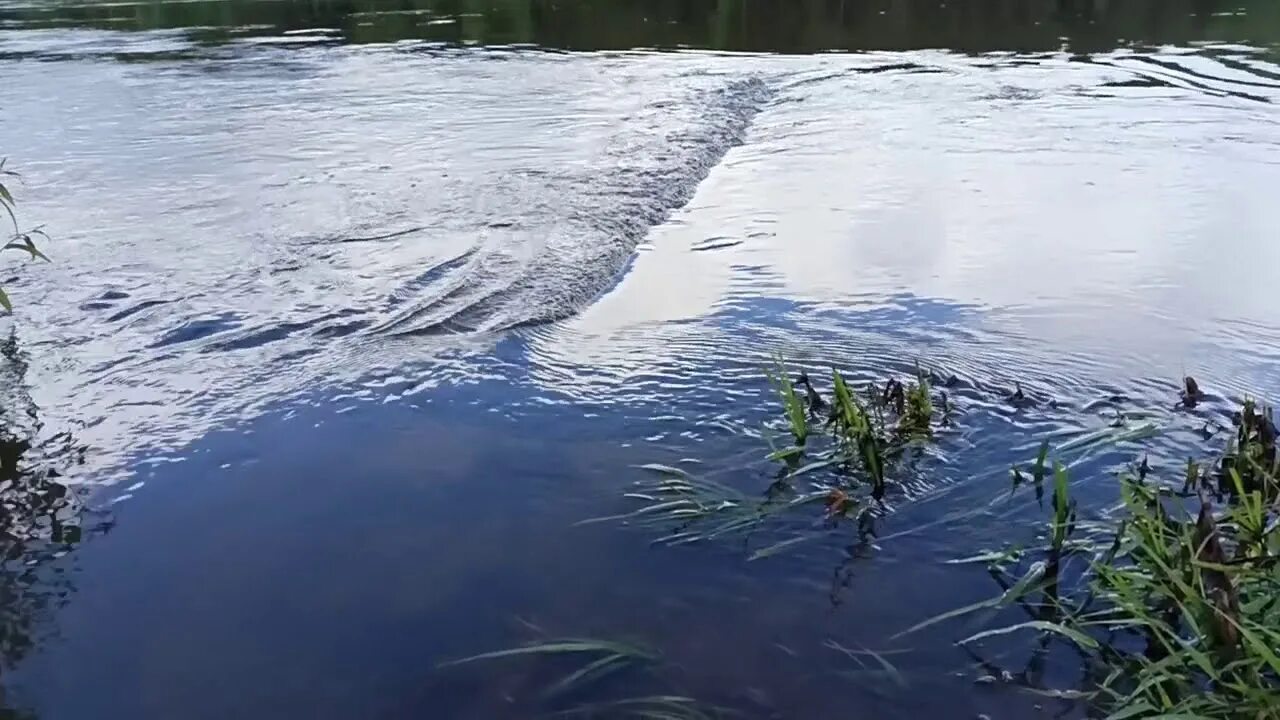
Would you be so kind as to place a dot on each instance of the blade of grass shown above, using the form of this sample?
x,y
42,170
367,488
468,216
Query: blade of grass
x,y
586,674
888,667
665,470
1017,591
1075,636
778,547
555,648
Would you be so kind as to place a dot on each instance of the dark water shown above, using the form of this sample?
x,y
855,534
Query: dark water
x,y
357,309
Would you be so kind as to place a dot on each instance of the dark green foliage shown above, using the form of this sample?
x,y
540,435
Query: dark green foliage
x,y
1178,612
18,239
793,407
799,26
917,418
1251,455
860,435
843,453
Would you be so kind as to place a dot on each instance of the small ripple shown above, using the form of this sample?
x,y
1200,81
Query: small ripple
x,y
258,337
137,308
198,328
715,243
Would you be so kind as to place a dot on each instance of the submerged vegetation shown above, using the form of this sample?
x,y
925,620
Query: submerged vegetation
x,y
601,658
591,661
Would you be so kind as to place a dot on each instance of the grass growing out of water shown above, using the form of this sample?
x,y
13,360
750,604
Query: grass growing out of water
x,y
793,407
1199,595
840,455
1177,611
867,435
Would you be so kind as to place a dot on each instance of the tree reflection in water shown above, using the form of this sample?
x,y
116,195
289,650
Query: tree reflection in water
x,y
42,517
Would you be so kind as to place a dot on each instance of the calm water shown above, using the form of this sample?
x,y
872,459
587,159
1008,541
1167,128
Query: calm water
x,y
357,308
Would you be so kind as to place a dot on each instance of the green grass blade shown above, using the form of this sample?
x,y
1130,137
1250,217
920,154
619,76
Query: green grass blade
x,y
556,647
816,465
666,707
951,614
25,244
1038,470
1075,636
1258,646
986,557
665,470
778,547
889,669
792,405
544,649
8,207
664,506
1061,506
785,453
588,673
1138,709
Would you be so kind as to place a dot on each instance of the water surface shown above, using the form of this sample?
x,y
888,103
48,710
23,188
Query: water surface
x,y
359,308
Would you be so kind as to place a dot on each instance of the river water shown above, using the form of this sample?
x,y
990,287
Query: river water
x,y
358,309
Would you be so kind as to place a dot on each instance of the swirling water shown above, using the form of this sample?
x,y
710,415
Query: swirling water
x,y
356,332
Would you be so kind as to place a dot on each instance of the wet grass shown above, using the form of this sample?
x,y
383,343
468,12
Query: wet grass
x,y
1168,601
1173,608
1172,604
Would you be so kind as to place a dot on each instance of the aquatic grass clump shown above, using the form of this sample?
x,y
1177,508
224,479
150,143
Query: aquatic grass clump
x,y
869,435
840,455
859,434
914,406
1176,612
1251,453
1199,596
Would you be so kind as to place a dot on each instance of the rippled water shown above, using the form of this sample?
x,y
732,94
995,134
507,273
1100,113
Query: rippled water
x,y
361,331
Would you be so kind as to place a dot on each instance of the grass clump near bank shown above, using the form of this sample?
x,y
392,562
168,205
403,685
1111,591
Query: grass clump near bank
x,y
1174,609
